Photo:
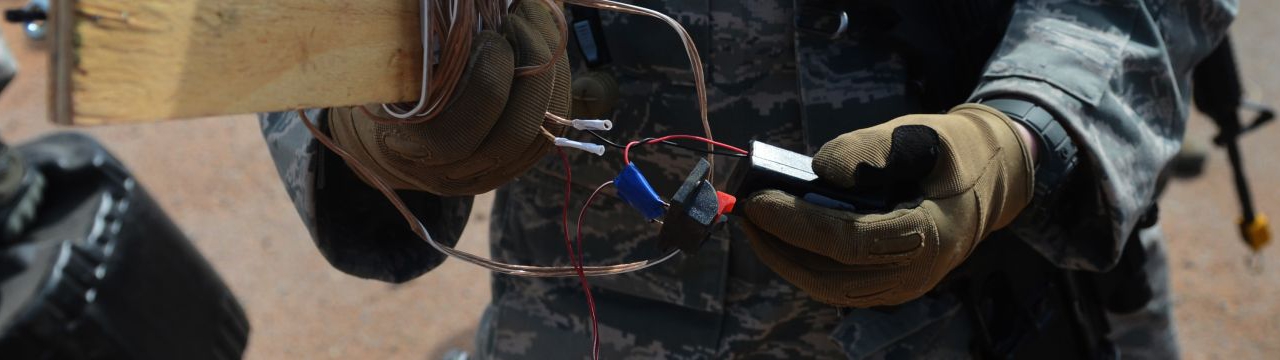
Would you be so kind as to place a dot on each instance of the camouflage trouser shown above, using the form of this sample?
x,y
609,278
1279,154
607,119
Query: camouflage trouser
x,y
758,315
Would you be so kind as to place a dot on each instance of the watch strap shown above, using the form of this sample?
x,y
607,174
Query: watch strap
x,y
1057,152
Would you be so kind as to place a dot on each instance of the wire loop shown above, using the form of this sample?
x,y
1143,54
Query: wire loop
x,y
495,266
451,23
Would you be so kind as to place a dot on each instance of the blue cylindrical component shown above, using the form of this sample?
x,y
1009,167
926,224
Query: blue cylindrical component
x,y
636,191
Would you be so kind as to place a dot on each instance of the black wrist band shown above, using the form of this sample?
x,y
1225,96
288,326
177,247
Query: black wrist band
x,y
1057,152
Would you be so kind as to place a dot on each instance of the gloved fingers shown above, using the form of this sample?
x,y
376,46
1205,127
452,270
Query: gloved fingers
x,y
506,150
353,131
492,129
472,112
881,156
561,102
561,97
824,279
530,95
469,116
893,238
521,121
453,135
544,20
559,105
540,18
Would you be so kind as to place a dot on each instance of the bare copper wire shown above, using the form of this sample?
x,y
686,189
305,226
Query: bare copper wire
x,y
563,26
459,32
455,26
455,32
690,48
421,230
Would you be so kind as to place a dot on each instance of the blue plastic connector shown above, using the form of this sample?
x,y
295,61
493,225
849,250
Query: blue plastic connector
x,y
636,191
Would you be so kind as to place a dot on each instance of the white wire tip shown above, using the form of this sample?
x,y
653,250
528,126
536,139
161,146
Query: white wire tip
x,y
603,125
588,147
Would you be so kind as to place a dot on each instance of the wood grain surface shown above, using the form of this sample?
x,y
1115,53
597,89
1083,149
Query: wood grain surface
x,y
119,61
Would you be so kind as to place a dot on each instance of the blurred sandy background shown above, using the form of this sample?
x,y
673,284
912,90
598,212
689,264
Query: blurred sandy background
x,y
216,180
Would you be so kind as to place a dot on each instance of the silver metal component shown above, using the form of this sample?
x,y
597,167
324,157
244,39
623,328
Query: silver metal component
x,y
35,30
423,92
421,108
844,26
421,230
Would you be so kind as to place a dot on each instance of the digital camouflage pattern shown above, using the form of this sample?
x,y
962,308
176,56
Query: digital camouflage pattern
x,y
293,150
1115,73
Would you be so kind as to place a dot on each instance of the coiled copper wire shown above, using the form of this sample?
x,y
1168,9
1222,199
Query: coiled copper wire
x,y
455,23
457,29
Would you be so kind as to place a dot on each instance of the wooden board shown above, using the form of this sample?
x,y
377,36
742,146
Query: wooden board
x,y
118,61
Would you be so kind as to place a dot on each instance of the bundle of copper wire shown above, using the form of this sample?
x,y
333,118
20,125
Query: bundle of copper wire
x,y
448,28
489,14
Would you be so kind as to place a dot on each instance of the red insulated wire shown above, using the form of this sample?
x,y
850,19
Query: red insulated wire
x,y
626,152
595,338
576,260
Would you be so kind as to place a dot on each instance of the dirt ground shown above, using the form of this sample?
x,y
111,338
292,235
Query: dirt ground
x,y
216,180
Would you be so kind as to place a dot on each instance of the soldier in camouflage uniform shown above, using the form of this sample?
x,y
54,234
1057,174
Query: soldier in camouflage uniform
x,y
1115,73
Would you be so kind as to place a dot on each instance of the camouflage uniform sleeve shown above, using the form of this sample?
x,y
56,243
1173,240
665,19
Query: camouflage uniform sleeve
x,y
1116,74
355,228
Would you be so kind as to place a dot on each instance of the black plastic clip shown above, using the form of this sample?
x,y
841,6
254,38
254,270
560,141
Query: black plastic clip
x,y
694,214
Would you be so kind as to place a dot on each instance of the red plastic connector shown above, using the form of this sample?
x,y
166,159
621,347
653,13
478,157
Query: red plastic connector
x,y
726,202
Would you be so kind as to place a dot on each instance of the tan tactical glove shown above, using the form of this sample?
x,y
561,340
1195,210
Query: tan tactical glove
x,y
492,130
981,180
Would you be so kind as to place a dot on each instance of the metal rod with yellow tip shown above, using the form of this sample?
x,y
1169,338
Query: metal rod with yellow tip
x,y
1257,233
1219,95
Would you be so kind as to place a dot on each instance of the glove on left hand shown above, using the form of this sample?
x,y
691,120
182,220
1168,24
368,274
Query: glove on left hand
x,y
981,179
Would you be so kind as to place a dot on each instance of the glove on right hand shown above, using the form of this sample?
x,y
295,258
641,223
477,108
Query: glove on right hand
x,y
491,131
